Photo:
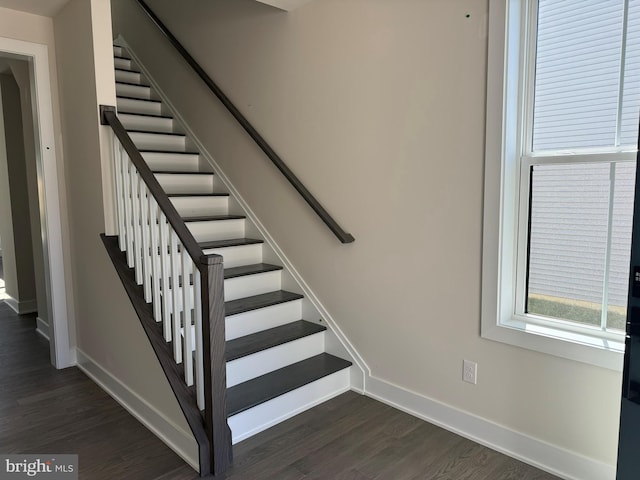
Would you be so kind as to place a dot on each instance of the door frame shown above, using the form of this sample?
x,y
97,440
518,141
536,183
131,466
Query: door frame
x,y
47,167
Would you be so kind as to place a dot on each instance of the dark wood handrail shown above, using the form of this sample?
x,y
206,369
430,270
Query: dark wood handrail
x,y
343,236
108,117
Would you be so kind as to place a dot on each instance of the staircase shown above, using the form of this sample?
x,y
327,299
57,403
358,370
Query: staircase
x,y
276,362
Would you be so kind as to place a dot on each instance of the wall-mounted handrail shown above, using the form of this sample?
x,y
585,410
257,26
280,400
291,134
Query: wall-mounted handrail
x,y
343,236
212,435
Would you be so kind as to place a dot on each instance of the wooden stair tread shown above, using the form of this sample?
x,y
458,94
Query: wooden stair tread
x,y
173,172
120,57
272,337
169,152
147,132
235,272
120,82
213,218
140,99
246,304
271,385
232,242
120,69
185,195
152,115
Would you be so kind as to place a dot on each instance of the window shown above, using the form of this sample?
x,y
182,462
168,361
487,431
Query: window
x,y
562,122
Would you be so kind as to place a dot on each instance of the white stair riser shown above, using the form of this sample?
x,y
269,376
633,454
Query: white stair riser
x,y
128,77
117,51
217,229
172,162
178,183
139,106
250,422
201,206
141,122
265,415
266,361
135,91
122,63
240,255
249,285
261,319
147,141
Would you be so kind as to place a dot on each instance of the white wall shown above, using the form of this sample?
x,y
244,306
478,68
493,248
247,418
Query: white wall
x,y
379,107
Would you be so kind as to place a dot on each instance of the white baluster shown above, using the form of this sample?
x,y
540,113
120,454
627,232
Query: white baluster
x,y
118,162
165,267
128,208
197,314
156,254
176,265
146,239
187,308
137,228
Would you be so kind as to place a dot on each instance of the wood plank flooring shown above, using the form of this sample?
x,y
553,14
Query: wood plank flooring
x,y
352,437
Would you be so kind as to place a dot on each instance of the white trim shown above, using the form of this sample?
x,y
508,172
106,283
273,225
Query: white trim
x,y
176,438
357,379
62,355
545,456
42,327
21,307
502,207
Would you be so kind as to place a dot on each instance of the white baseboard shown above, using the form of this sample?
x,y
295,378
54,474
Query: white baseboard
x,y
22,307
179,440
42,327
545,456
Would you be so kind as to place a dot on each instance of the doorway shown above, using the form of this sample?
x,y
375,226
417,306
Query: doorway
x,y
34,58
24,289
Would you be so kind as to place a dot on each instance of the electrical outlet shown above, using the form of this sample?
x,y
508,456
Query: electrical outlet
x,y
470,371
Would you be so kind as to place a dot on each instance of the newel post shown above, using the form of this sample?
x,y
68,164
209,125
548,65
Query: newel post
x,y
215,368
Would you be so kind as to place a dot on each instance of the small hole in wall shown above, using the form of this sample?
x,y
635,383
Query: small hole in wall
x,y
468,15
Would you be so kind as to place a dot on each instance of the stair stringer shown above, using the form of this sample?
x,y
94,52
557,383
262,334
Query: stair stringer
x,y
336,342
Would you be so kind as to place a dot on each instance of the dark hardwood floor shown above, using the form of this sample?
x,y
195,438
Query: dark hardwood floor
x,y
43,410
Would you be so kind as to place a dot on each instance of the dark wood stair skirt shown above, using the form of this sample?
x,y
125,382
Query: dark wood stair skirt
x,y
173,372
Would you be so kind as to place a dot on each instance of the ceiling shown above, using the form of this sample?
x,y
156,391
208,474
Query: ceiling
x,y
47,8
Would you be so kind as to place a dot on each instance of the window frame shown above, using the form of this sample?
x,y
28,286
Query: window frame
x,y
509,119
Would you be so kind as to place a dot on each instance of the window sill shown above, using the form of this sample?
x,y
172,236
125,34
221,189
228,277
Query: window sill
x,y
560,343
